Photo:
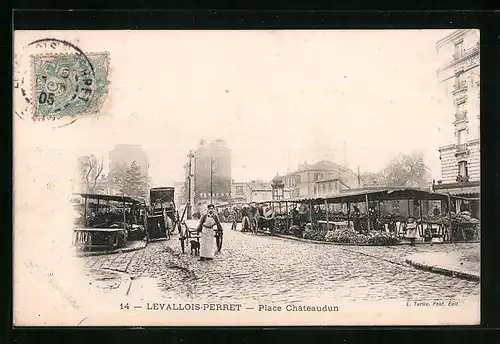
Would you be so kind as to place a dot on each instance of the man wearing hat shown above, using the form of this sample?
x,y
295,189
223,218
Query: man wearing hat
x,y
206,228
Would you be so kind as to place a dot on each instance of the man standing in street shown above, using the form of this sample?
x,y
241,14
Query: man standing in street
x,y
206,228
356,216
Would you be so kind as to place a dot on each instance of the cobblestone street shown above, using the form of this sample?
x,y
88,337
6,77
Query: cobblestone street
x,y
282,270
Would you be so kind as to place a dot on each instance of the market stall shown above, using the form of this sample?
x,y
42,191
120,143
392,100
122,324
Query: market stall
x,y
106,221
371,226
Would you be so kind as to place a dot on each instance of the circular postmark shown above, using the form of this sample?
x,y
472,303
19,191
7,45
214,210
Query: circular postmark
x,y
54,79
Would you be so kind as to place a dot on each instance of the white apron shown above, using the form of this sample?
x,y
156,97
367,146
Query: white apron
x,y
411,231
207,244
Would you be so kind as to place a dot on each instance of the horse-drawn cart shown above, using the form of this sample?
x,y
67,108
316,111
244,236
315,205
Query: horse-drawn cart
x,y
163,217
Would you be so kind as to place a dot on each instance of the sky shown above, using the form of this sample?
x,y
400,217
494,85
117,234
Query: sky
x,y
278,98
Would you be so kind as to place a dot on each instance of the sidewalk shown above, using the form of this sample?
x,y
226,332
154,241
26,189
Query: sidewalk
x,y
463,263
130,246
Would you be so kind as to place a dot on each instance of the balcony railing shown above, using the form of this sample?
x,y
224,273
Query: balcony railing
x,y
460,116
459,87
462,179
466,52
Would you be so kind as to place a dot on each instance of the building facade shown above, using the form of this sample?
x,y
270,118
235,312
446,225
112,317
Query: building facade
x,y
459,75
254,191
178,195
239,192
315,179
211,180
259,191
328,187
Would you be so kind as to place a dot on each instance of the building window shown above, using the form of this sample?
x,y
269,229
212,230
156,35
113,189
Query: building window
x,y
239,190
317,176
458,49
297,179
463,170
462,137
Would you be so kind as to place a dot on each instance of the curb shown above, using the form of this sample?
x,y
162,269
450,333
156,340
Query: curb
x,y
351,244
120,250
444,271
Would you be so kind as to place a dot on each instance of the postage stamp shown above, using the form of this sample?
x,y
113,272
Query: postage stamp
x,y
69,84
55,79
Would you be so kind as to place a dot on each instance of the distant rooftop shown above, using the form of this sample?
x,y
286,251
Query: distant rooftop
x,y
260,186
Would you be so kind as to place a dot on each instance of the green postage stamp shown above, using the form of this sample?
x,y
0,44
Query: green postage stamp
x,y
69,84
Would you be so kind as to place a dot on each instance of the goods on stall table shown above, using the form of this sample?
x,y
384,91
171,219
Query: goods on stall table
x,y
457,219
294,230
349,236
464,227
314,233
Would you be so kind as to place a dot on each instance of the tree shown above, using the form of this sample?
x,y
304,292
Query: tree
x,y
371,179
128,180
407,170
90,170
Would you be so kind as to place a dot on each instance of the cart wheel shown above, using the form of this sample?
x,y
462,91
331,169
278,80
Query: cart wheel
x,y
182,244
274,227
218,240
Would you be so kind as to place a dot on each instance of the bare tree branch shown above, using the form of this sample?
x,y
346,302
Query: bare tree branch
x,y
100,167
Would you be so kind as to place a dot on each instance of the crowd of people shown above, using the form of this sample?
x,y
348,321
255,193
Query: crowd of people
x,y
254,217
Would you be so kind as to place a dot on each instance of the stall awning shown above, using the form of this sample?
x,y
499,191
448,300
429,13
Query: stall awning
x,y
385,194
466,192
108,197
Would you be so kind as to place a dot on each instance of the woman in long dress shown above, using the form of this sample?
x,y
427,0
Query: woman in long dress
x,y
207,233
411,227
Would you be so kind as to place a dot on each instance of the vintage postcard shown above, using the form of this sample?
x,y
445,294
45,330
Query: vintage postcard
x,y
246,178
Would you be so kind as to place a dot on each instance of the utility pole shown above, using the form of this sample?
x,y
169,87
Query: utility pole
x,y
359,179
211,178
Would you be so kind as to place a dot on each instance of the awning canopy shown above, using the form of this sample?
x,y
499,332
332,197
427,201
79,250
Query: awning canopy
x,y
469,189
465,192
358,196
122,199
